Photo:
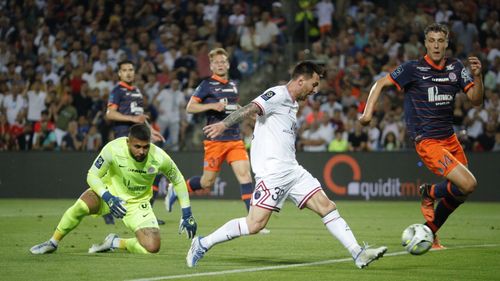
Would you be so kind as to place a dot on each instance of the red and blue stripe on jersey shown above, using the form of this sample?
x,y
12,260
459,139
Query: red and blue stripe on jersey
x,y
430,91
127,100
216,89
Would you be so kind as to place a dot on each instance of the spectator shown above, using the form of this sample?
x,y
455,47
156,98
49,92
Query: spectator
x,y
66,113
36,100
72,140
358,139
391,143
339,143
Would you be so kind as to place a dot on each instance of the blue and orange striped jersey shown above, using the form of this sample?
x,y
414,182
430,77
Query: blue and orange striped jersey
x,y
127,100
430,92
216,89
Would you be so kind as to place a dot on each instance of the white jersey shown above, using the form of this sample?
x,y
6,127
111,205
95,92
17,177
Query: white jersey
x,y
273,145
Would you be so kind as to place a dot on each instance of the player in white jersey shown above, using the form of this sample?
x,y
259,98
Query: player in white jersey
x,y
277,172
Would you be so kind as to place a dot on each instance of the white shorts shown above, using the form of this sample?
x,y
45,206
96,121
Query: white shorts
x,y
299,186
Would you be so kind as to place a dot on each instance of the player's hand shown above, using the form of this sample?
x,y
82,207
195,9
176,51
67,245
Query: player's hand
x,y
475,66
214,130
115,205
188,223
156,136
139,119
365,119
218,106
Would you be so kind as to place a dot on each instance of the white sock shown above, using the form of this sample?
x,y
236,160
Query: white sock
x,y
54,241
339,228
232,229
115,243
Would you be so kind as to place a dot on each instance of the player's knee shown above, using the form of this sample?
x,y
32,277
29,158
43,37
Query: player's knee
x,y
152,247
469,186
207,182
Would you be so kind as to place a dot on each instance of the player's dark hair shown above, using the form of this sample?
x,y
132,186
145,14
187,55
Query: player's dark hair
x,y
140,132
307,69
437,27
124,62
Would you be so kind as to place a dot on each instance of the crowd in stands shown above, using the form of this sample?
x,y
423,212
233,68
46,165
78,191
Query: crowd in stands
x,y
58,64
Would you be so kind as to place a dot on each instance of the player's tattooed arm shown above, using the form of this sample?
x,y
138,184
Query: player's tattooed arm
x,y
239,115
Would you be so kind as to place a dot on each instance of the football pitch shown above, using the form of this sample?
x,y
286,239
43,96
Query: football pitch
x,y
298,248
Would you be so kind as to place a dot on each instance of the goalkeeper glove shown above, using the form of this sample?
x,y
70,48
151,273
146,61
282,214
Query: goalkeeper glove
x,y
188,223
115,205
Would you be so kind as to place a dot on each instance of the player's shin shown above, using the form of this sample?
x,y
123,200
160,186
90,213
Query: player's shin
x,y
232,229
444,208
339,228
246,193
133,246
71,219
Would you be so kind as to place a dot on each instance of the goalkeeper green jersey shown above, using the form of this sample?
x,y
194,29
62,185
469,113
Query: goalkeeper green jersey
x,y
116,171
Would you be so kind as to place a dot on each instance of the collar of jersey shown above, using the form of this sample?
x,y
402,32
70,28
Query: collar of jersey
x,y
125,85
431,63
220,79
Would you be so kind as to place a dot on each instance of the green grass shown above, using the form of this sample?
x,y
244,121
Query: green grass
x,y
296,237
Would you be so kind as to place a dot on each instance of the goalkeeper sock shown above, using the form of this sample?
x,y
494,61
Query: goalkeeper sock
x,y
246,193
133,246
444,208
232,229
194,183
445,189
339,228
71,219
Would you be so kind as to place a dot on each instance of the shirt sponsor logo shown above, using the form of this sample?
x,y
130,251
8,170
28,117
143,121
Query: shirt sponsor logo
x,y
423,68
437,98
268,95
446,79
136,171
98,163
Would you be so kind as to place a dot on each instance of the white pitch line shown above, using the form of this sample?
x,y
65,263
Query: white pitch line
x,y
256,269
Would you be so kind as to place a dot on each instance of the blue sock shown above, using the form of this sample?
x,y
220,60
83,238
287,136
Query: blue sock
x,y
246,193
445,189
194,183
444,208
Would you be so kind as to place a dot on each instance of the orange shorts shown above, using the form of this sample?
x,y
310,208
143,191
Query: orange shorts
x,y
441,156
218,151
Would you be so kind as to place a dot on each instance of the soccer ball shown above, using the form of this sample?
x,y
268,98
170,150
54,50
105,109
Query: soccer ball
x,y
417,239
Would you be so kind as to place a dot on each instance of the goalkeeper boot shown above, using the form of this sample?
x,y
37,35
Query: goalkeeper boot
x,y
106,245
46,247
367,255
436,245
170,198
196,252
427,202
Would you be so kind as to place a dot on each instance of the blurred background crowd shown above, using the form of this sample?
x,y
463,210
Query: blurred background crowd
x,y
58,63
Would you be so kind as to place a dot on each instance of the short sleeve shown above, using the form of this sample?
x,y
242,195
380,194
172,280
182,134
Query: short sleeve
x,y
268,101
114,96
465,80
201,92
402,75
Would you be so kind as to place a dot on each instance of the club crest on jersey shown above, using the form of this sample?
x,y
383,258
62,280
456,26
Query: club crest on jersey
x,y
256,195
453,77
98,163
268,95
151,170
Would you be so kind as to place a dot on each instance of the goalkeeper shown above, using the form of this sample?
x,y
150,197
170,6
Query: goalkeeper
x,y
120,183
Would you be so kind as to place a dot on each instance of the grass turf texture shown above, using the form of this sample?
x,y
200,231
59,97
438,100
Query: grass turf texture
x,y
297,237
